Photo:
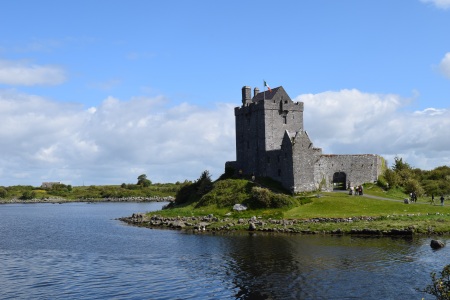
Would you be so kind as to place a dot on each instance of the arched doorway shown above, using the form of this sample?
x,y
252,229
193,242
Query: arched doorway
x,y
339,181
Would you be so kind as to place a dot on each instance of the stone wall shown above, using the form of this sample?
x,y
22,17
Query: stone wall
x,y
305,157
271,141
358,169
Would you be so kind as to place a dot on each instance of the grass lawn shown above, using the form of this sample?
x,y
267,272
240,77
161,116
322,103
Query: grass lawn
x,y
340,205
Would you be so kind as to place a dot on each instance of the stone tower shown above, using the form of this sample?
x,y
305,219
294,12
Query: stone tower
x,y
271,141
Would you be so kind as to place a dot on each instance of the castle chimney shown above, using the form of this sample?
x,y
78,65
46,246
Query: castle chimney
x,y
246,94
255,91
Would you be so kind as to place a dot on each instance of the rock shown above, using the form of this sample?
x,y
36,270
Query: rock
x,y
177,224
437,244
251,226
239,207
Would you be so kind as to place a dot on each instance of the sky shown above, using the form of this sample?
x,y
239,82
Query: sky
x,y
100,92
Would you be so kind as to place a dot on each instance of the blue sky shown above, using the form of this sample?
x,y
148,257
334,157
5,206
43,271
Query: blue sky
x,y
99,92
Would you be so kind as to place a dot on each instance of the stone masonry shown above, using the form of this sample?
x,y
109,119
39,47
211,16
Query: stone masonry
x,y
271,141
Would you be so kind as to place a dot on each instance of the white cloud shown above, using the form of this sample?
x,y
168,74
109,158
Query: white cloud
x,y
444,65
112,143
352,122
23,73
443,4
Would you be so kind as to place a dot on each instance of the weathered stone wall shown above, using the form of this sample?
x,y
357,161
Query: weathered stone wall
x,y
278,118
250,137
305,157
271,141
358,169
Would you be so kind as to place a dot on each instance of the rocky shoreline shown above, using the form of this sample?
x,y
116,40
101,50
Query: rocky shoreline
x,y
90,200
213,224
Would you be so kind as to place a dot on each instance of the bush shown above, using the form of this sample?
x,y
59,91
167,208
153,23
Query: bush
x,y
187,193
191,192
28,195
392,178
382,182
261,198
413,185
264,198
3,192
440,287
280,200
204,183
226,193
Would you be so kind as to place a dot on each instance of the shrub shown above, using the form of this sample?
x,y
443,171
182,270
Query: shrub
x,y
204,183
413,185
28,195
382,182
280,200
187,193
392,178
3,192
261,198
264,198
226,193
440,287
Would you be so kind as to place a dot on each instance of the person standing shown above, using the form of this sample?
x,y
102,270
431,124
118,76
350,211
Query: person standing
x,y
442,200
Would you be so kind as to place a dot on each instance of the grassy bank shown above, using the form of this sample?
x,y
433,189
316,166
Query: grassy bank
x,y
67,193
376,212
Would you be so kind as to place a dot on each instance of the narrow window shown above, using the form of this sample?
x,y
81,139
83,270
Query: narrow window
x,y
284,120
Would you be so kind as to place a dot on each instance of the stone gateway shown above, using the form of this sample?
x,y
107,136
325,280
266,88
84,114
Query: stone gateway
x,y
272,142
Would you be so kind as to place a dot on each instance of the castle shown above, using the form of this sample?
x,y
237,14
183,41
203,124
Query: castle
x,y
272,142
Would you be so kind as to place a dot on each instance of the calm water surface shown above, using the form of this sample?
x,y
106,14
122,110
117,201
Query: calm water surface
x,y
80,251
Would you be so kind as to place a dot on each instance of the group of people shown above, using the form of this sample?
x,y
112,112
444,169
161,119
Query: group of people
x,y
442,199
357,190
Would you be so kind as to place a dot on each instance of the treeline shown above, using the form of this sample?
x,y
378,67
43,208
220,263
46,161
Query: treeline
x,y
143,188
402,175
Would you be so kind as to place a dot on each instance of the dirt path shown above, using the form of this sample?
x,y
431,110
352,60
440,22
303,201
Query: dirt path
x,y
389,199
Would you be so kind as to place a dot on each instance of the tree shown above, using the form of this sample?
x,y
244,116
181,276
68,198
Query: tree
x,y
3,192
392,178
204,183
399,165
413,185
440,287
143,181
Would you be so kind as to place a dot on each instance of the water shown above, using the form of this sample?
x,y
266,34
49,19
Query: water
x,y
80,251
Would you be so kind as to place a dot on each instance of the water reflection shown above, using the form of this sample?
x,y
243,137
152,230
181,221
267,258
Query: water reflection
x,y
332,267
